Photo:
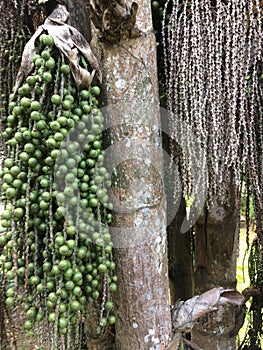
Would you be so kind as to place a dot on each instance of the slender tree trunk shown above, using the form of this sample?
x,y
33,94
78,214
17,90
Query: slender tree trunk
x,y
180,258
130,86
215,266
179,244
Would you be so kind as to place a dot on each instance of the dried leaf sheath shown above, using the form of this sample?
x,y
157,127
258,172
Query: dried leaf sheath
x,y
69,41
186,313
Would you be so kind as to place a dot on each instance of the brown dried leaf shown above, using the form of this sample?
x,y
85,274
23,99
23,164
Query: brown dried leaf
x,y
232,297
26,63
186,313
69,41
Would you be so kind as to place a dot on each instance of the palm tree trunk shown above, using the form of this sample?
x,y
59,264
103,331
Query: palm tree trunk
x,y
215,266
130,87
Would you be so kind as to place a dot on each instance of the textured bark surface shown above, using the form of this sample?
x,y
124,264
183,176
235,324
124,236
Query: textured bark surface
x,y
130,78
215,265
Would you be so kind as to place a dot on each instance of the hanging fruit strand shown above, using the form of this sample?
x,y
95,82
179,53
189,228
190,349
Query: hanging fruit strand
x,y
59,207
214,74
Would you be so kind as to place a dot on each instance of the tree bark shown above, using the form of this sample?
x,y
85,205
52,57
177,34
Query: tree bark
x,y
215,265
130,87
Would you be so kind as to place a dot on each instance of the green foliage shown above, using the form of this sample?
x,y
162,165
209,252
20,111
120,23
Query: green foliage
x,y
247,209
